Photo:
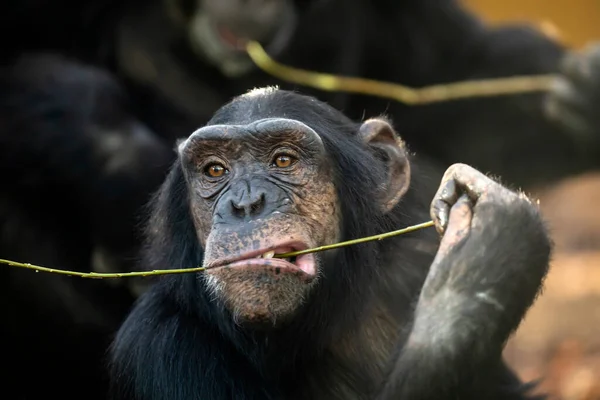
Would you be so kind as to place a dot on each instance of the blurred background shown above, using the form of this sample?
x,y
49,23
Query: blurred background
x,y
102,138
560,338
574,22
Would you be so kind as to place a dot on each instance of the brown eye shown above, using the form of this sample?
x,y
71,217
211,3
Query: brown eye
x,y
216,170
283,161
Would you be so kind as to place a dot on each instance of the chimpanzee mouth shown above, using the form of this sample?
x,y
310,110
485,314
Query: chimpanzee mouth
x,y
226,49
265,258
230,39
275,41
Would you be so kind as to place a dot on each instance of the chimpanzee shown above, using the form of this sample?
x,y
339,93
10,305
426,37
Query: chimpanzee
x,y
181,59
413,42
76,168
576,99
165,65
411,317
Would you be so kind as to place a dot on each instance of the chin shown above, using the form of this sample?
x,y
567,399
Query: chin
x,y
261,291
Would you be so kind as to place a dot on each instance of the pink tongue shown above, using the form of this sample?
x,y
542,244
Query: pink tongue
x,y
227,35
306,264
230,38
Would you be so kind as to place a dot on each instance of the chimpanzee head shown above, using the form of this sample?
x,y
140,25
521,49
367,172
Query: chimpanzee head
x,y
218,30
275,172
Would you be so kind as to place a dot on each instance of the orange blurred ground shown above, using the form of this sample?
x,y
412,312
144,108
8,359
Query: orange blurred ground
x,y
576,22
559,340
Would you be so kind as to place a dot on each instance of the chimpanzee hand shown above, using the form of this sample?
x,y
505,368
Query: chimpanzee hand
x,y
490,264
574,103
492,258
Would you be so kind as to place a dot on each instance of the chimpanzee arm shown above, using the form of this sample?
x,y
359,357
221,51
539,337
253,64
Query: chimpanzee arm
x,y
575,101
488,270
508,135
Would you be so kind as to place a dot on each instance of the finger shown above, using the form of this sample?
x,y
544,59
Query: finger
x,y
445,197
593,55
470,180
439,214
576,67
580,74
461,215
459,224
570,116
566,92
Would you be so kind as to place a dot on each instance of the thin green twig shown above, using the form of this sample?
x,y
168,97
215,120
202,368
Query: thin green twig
x,y
94,275
395,91
356,241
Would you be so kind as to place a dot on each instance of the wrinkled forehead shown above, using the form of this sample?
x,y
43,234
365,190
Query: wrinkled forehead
x,y
266,132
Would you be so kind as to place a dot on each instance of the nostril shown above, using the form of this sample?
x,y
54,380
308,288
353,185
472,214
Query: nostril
x,y
257,206
248,207
237,210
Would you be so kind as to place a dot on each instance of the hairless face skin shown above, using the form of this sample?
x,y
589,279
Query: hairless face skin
x,y
261,189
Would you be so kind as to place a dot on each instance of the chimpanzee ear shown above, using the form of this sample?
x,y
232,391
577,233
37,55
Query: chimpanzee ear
x,y
379,135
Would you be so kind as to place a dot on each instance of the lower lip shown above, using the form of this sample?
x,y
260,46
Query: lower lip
x,y
274,263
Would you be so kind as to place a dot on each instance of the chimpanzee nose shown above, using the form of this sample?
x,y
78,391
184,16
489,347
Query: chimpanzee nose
x,y
248,205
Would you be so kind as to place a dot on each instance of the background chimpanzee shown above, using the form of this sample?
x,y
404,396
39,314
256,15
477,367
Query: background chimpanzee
x,y
75,168
416,43
576,100
275,171
182,59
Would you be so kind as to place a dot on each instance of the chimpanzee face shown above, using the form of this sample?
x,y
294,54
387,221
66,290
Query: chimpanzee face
x,y
219,30
258,190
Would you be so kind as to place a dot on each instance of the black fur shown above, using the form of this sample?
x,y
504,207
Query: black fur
x,y
75,168
178,344
43,148
413,42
